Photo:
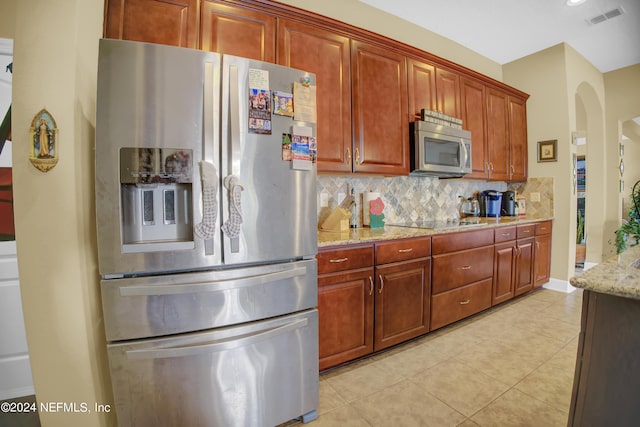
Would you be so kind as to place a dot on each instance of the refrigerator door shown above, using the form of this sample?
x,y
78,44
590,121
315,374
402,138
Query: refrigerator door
x,y
172,304
157,118
271,205
259,374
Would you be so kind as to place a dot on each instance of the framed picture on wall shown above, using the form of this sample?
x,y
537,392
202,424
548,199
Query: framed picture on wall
x,y
547,151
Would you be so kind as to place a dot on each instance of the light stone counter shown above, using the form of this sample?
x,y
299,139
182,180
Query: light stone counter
x,y
619,276
389,232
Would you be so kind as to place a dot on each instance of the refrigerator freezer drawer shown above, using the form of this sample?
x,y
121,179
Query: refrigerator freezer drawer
x,y
258,374
172,304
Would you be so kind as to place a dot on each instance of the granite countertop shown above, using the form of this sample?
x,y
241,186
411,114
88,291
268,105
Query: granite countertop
x,y
619,275
388,232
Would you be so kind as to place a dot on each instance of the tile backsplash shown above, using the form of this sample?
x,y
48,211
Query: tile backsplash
x,y
412,199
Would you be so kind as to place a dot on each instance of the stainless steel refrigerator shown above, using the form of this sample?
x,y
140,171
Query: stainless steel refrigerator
x,y
206,224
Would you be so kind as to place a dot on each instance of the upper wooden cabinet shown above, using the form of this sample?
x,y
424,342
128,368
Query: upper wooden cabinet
x,y
380,125
422,88
497,134
369,87
238,31
172,22
518,139
327,55
448,93
474,113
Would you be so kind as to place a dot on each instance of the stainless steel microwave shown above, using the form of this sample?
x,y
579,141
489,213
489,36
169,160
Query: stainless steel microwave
x,y
439,150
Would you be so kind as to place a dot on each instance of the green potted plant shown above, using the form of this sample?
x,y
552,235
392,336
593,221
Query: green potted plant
x,y
629,233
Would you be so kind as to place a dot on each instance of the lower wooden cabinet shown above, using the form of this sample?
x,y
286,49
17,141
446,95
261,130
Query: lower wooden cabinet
x,y
402,302
345,304
374,296
513,262
451,306
542,268
345,307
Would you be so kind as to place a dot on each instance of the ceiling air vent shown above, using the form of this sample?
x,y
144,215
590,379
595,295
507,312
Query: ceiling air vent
x,y
605,16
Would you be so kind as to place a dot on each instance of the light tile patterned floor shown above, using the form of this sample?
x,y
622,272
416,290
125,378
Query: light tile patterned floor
x,y
510,366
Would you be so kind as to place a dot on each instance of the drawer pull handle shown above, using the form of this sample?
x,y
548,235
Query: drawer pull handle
x,y
465,302
526,231
381,283
338,260
370,285
402,251
506,234
466,267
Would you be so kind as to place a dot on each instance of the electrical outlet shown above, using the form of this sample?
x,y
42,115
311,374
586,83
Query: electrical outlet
x,y
324,199
535,196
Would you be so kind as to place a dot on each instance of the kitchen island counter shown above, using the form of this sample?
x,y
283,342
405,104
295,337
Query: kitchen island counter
x,y
618,276
390,232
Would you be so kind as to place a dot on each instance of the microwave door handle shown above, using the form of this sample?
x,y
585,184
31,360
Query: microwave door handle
x,y
466,154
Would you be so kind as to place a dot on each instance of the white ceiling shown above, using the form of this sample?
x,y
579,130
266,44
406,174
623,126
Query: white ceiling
x,y
506,30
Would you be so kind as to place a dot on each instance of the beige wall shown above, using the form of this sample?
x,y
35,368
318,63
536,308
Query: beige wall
x,y
542,75
622,103
7,18
364,16
55,67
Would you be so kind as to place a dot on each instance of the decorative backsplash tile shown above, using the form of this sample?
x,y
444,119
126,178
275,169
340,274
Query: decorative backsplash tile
x,y
544,186
411,198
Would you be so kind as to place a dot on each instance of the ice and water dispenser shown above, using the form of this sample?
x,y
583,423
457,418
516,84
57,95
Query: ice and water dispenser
x,y
156,192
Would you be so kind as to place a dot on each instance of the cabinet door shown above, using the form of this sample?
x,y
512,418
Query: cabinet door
x,y
328,56
422,88
473,119
448,93
381,128
518,139
503,272
238,31
172,22
498,135
402,302
524,267
345,310
542,260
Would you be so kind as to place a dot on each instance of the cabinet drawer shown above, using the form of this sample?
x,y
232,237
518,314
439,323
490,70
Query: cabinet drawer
x,y
460,241
402,250
504,234
543,227
525,231
457,304
453,270
349,258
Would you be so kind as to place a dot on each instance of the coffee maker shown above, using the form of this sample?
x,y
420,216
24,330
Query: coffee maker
x,y
490,203
508,203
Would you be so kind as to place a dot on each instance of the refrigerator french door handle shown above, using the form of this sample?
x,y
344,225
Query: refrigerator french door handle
x,y
232,182
208,153
215,286
225,344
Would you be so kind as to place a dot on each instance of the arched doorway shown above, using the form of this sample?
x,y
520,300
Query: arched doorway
x,y
590,163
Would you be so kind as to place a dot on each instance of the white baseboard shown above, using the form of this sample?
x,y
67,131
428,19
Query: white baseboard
x,y
559,285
